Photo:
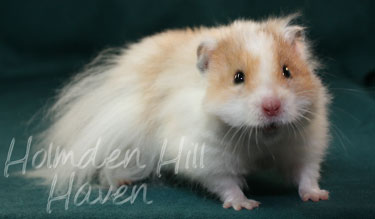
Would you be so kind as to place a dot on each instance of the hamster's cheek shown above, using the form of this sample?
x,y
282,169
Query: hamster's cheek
x,y
254,113
303,107
289,109
295,108
233,111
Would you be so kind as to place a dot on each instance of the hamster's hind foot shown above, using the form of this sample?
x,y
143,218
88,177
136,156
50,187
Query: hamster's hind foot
x,y
124,182
241,203
314,195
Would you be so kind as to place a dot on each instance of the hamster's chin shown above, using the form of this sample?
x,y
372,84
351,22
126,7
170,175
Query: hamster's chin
x,y
271,131
271,128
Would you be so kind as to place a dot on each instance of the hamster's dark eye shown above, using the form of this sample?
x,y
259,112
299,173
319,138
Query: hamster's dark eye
x,y
239,77
286,72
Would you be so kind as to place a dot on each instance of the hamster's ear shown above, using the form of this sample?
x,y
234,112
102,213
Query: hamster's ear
x,y
295,35
204,52
292,33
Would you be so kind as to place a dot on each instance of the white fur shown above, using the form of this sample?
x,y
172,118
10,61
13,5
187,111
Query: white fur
x,y
107,102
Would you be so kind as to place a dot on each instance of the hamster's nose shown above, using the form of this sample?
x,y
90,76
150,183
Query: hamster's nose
x,y
271,106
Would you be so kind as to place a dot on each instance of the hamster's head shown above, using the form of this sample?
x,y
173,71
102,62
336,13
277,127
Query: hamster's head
x,y
259,74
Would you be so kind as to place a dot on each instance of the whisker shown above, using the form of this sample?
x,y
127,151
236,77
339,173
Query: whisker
x,y
294,131
349,114
249,141
343,135
304,117
348,90
340,140
224,142
233,136
239,139
256,137
301,130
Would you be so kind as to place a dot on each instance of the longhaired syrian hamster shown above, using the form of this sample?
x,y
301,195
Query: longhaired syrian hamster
x,y
247,92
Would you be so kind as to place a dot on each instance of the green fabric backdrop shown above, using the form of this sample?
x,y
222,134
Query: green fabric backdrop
x,y
42,43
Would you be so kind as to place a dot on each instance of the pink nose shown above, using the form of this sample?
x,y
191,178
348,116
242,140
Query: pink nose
x,y
271,106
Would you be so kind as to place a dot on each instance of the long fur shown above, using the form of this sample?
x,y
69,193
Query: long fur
x,y
152,94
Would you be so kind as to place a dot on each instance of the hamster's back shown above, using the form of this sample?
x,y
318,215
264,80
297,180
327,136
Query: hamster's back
x,y
123,101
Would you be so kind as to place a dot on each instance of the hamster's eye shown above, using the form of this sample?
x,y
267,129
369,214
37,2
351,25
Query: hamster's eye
x,y
286,72
239,77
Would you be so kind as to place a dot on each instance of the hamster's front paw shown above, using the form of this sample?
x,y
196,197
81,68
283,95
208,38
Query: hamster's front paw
x,y
313,194
240,203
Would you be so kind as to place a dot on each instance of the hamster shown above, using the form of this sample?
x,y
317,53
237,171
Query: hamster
x,y
247,92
